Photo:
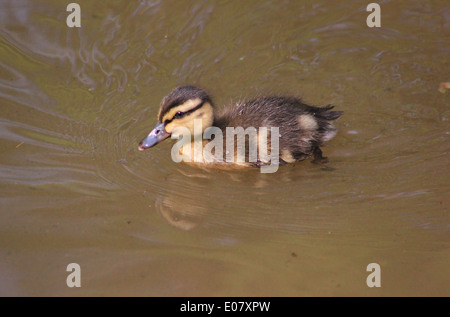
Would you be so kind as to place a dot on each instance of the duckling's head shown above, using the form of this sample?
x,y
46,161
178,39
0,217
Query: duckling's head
x,y
179,109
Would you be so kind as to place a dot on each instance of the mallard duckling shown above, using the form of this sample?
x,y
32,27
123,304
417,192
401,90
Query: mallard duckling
x,y
302,128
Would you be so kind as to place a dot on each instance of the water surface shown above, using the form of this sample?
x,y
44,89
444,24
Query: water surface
x,y
74,103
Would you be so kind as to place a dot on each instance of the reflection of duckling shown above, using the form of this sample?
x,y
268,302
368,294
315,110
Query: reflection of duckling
x,y
302,128
181,213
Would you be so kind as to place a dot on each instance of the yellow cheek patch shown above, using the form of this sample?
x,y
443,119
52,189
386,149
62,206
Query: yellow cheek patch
x,y
188,105
205,113
183,122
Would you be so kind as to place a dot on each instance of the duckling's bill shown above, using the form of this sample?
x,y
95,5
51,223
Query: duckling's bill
x,y
157,135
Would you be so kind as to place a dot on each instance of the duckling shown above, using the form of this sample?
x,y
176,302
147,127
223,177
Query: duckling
x,y
302,129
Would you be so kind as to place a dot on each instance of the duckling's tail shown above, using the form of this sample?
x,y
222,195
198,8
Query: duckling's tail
x,y
325,114
326,129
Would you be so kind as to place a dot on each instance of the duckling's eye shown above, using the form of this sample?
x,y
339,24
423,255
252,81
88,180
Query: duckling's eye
x,y
178,115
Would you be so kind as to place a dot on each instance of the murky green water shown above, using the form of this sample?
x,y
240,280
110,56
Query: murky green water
x,y
74,103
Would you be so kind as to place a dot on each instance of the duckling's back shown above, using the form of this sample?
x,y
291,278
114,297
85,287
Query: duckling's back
x,y
302,128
